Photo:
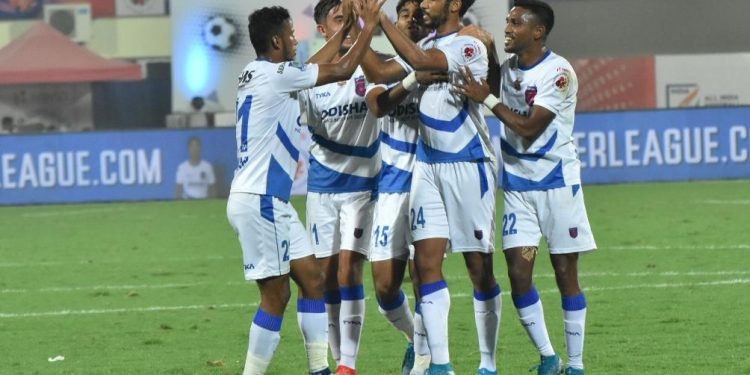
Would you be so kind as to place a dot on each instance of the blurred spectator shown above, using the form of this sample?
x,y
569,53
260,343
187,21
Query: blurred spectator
x,y
7,125
195,177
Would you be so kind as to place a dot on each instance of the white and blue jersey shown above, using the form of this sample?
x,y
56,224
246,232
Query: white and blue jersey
x,y
452,127
344,154
268,129
551,160
398,138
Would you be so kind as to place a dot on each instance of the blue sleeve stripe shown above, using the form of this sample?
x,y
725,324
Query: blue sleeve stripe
x,y
574,303
410,148
288,145
508,149
305,305
553,180
526,300
339,148
352,293
267,321
266,207
483,183
446,125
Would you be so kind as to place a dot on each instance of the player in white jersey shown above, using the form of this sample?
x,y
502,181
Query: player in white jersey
x,y
397,109
452,198
541,177
342,190
271,235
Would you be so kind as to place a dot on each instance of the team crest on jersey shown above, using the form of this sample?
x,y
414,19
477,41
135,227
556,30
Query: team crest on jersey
x,y
562,81
478,234
360,86
530,95
573,232
469,51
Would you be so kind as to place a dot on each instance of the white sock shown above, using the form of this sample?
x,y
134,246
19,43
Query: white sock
x,y
421,347
312,320
264,338
487,306
531,313
351,319
574,319
435,304
333,308
399,315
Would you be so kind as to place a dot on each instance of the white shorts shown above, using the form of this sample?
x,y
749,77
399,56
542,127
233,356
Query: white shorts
x,y
454,201
270,234
338,221
391,237
557,214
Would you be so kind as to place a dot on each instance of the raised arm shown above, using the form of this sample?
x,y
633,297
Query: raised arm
x,y
327,73
419,59
378,70
381,101
528,127
333,45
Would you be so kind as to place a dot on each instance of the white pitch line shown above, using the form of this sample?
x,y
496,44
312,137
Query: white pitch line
x,y
678,247
730,202
123,310
233,283
453,295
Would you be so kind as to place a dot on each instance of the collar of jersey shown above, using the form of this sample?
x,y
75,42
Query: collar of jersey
x,y
524,68
436,37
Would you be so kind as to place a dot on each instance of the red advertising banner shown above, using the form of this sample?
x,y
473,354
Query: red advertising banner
x,y
607,84
99,8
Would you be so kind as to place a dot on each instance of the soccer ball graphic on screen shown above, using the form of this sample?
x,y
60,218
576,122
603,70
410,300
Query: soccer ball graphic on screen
x,y
220,33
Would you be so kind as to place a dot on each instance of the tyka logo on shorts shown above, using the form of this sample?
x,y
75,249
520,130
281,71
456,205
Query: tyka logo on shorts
x,y
249,267
358,232
573,232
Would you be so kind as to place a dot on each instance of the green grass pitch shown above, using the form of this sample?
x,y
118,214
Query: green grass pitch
x,y
157,288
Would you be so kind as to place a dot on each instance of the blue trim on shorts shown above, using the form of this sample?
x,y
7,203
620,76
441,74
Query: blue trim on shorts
x,y
485,296
526,300
574,303
266,207
306,305
393,305
352,293
428,289
267,321
418,310
332,297
576,187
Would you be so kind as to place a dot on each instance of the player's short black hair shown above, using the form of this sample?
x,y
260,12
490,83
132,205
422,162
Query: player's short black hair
x,y
322,8
465,5
263,24
401,4
541,10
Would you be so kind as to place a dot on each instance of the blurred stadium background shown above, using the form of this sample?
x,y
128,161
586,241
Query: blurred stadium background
x,y
99,98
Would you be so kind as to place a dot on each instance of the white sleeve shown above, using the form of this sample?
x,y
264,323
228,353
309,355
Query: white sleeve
x,y
558,89
469,51
210,173
290,76
180,178
405,65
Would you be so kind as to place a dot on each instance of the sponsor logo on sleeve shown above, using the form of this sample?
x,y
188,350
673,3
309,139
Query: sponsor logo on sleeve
x,y
360,85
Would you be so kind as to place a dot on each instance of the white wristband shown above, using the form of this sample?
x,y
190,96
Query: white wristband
x,y
410,82
491,101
